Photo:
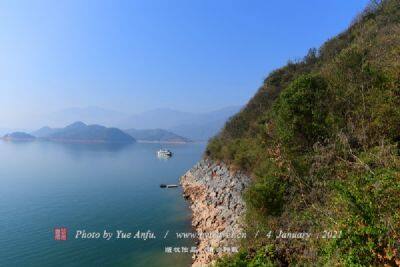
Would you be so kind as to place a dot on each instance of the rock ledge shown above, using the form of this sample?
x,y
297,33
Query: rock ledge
x,y
215,194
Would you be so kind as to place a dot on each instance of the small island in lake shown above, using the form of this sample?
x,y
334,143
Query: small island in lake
x,y
19,136
79,132
83,133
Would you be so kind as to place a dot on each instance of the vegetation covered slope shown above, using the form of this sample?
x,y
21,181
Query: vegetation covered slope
x,y
80,132
321,139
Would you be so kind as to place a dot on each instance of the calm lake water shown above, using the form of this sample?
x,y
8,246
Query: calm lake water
x,y
92,187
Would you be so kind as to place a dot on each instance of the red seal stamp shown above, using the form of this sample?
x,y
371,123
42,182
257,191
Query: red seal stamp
x,y
60,234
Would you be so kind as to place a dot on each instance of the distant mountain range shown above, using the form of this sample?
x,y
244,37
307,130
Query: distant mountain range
x,y
156,135
45,132
90,115
205,125
166,124
195,126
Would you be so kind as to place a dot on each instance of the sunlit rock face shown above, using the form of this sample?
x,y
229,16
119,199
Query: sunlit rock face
x,y
215,194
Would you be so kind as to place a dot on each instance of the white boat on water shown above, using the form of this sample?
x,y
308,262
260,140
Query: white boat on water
x,y
164,153
169,185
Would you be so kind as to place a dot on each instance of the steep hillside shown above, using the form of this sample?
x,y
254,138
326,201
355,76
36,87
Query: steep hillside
x,y
321,141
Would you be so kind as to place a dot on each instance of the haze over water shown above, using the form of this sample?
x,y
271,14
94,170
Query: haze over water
x,y
92,187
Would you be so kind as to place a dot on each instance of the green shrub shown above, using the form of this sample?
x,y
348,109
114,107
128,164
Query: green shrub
x,y
302,111
267,193
369,230
264,257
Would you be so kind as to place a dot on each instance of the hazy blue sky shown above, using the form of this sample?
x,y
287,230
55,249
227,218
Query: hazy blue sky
x,y
193,55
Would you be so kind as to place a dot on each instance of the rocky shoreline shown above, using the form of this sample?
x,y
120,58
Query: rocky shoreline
x,y
215,194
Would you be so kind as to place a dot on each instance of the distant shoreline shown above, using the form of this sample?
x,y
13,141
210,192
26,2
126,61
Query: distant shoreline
x,y
168,142
99,141
71,141
8,139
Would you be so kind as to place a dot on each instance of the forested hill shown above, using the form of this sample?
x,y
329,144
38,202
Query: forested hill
x,y
80,132
321,140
